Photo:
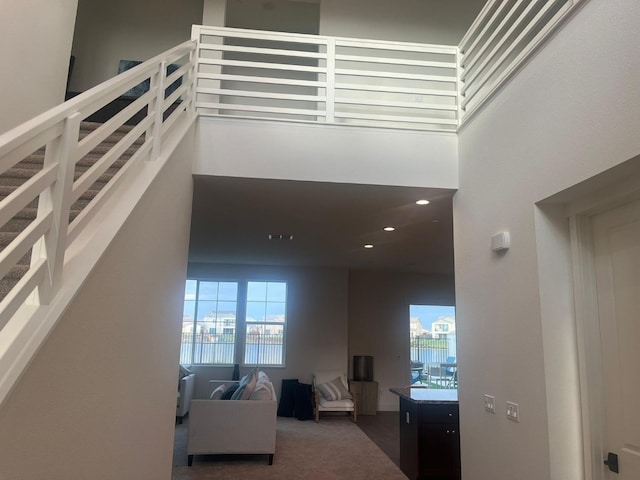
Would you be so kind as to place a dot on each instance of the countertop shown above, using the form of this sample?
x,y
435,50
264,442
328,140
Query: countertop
x,y
426,395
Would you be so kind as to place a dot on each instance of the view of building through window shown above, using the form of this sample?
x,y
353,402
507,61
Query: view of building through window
x,y
266,305
211,320
209,323
432,330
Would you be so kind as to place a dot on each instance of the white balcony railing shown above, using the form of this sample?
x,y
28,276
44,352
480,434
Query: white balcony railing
x,y
311,78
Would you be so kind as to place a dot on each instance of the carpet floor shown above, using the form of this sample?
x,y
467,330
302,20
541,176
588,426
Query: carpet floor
x,y
334,449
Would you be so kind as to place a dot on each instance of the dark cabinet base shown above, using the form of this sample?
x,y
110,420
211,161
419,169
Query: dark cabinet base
x,y
429,441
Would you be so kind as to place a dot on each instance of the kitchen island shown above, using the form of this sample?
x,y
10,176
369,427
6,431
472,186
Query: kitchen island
x,y
429,436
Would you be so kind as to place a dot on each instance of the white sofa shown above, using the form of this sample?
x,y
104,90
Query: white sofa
x,y
185,394
232,427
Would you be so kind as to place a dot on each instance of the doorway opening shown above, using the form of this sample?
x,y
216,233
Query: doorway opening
x,y
432,340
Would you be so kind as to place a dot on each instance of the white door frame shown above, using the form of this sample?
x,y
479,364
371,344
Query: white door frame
x,y
590,362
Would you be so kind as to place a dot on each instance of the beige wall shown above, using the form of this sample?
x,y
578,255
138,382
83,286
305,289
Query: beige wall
x,y
98,400
379,321
423,21
35,43
569,115
107,32
317,332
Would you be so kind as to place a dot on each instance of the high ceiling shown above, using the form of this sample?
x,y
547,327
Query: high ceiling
x,y
330,223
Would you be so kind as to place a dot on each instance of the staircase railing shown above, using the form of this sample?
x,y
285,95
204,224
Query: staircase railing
x,y
57,184
502,38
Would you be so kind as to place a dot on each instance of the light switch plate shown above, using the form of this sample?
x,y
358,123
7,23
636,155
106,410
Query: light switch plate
x,y
490,403
513,412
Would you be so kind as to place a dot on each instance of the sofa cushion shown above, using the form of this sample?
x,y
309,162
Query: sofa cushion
x,y
334,390
217,393
228,393
247,385
324,403
262,392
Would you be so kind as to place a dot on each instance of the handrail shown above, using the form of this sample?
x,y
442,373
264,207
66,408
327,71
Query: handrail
x,y
57,133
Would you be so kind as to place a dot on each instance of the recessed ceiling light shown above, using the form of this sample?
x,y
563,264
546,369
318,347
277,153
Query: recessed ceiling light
x,y
389,229
422,202
280,236
368,245
435,221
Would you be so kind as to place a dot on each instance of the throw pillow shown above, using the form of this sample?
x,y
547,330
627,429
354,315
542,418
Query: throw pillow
x,y
247,385
334,390
184,371
228,393
217,393
262,392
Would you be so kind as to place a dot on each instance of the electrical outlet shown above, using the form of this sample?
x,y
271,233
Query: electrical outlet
x,y
512,412
490,403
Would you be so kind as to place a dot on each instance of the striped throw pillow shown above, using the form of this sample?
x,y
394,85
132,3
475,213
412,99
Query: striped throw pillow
x,y
334,390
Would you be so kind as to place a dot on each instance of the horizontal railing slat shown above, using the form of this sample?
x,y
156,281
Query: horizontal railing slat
x,y
12,153
397,46
20,245
396,118
394,61
251,79
395,75
257,108
263,51
247,93
263,65
259,35
383,103
22,290
389,89
25,193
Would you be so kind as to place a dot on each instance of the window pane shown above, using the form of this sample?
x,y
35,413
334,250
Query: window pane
x,y
228,291
207,309
190,290
275,312
266,317
255,311
208,291
211,338
264,345
276,292
257,291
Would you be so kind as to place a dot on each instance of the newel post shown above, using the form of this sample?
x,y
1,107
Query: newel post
x,y
56,199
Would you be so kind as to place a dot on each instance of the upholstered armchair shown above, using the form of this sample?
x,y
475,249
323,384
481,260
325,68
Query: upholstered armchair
x,y
186,386
331,394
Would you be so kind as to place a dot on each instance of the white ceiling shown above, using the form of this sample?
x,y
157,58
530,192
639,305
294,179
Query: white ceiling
x,y
330,222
